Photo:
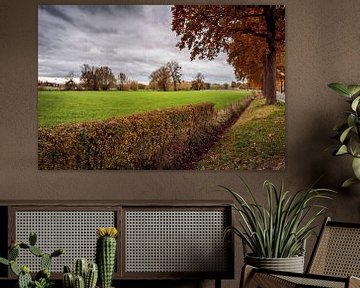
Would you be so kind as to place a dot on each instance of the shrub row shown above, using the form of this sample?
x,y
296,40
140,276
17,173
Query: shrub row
x,y
164,139
229,114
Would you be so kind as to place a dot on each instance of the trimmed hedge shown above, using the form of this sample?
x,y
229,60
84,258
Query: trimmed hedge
x,y
164,139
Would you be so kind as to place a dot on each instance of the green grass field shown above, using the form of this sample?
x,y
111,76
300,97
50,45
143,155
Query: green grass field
x,y
65,107
255,141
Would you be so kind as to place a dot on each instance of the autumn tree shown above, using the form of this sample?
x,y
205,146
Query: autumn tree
x,y
122,80
175,72
160,78
198,82
95,78
88,77
70,83
105,77
133,85
252,33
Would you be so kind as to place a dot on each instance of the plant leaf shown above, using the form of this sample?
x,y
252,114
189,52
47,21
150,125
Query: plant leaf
x,y
345,134
353,89
340,127
355,103
340,88
354,145
4,261
342,150
349,182
351,119
356,167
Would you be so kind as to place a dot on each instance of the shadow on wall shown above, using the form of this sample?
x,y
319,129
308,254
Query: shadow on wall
x,y
331,171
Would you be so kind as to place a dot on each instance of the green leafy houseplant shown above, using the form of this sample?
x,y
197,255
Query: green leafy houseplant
x,y
279,229
349,132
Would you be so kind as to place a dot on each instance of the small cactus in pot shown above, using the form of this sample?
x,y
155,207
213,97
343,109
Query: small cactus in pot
x,y
106,254
85,275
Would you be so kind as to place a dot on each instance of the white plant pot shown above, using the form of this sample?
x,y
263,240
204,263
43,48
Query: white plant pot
x,y
291,264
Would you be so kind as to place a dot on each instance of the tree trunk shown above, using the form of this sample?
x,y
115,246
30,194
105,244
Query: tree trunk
x,y
174,84
270,63
271,78
264,77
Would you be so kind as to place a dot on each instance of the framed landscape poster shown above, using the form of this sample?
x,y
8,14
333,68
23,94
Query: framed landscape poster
x,y
169,87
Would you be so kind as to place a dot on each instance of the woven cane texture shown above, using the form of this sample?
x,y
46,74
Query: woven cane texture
x,y
268,281
175,241
305,282
74,231
338,252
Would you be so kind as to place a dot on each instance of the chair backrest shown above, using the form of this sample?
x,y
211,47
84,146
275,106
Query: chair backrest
x,y
337,251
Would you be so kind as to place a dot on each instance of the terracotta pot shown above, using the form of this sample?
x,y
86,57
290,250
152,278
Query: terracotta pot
x,y
291,264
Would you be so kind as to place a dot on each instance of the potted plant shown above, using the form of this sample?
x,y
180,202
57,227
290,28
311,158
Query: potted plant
x,y
106,254
84,274
276,233
42,278
349,132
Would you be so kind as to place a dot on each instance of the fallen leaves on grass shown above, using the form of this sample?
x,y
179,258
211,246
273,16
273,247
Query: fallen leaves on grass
x,y
255,141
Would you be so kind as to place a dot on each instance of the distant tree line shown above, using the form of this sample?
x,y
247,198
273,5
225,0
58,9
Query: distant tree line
x,y
165,78
170,74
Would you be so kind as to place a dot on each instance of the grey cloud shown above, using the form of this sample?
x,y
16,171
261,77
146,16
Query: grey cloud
x,y
133,39
56,12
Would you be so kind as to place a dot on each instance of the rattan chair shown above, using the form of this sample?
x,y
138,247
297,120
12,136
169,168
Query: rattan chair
x,y
335,262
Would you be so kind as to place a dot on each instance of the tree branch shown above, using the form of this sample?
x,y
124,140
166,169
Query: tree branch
x,y
252,15
252,32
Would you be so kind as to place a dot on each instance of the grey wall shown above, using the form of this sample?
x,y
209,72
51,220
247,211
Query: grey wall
x,y
322,46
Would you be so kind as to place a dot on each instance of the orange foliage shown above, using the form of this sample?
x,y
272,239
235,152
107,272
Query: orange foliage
x,y
251,35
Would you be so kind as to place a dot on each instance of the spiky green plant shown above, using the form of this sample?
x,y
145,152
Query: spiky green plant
x,y
106,254
42,278
80,267
79,282
279,229
91,275
85,274
349,132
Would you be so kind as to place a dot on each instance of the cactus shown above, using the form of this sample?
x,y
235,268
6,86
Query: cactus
x,y
45,261
68,280
43,274
14,268
88,273
32,239
36,251
4,261
91,276
24,246
67,269
79,282
57,252
105,255
24,278
13,253
80,268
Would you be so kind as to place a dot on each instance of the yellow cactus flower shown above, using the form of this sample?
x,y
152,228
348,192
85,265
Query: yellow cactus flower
x,y
106,231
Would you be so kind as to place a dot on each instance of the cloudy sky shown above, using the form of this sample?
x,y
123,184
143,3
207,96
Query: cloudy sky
x,y
134,39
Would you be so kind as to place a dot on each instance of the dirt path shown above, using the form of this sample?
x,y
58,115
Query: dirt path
x,y
255,141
